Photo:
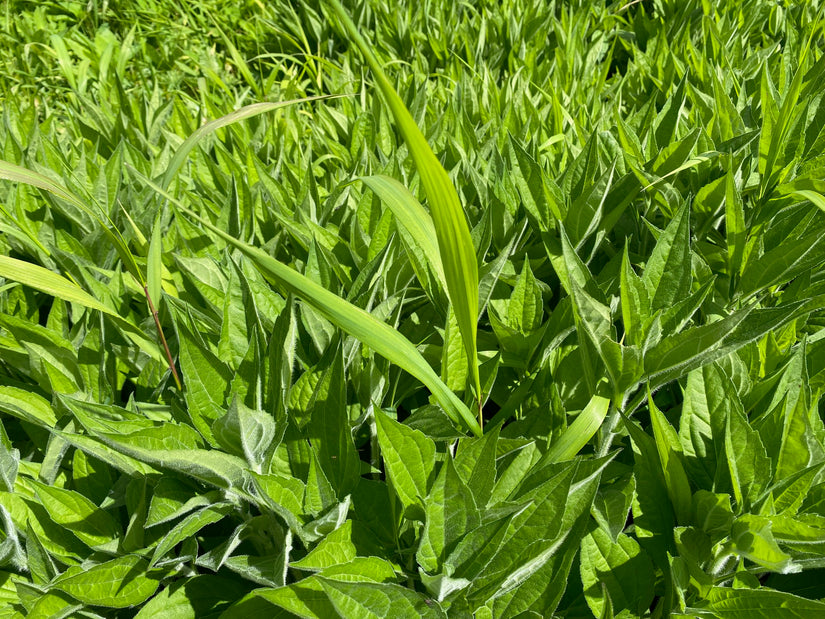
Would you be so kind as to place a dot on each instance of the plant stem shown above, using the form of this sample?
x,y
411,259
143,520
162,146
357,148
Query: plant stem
x,y
169,359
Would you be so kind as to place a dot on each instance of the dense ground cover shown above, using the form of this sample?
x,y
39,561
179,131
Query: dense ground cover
x,y
584,382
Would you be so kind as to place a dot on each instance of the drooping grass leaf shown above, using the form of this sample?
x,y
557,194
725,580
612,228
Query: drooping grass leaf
x,y
454,242
379,336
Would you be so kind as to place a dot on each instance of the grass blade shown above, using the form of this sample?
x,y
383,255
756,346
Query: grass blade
x,y
580,431
454,241
410,214
18,174
47,281
243,113
54,284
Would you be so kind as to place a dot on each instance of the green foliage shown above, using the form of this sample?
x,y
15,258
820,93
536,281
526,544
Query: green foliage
x,y
490,310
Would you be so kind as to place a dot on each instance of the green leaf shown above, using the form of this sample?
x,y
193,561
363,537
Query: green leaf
x,y
335,549
205,377
154,266
305,598
188,528
412,216
409,460
622,567
727,603
15,173
91,525
612,505
735,231
370,600
449,513
52,359
576,436
209,466
120,583
173,498
676,480
532,185
526,310
245,432
698,346
331,430
49,282
748,462
202,596
667,274
537,584
709,400
27,406
475,462
635,302
653,516
783,262
213,125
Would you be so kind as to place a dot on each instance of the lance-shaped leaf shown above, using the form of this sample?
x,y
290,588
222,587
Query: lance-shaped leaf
x,y
454,241
667,444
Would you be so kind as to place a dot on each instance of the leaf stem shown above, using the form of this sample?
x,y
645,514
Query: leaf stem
x,y
169,359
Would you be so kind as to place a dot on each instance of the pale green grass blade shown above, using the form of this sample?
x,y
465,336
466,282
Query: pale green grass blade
x,y
373,333
410,214
580,431
243,113
51,283
154,266
817,199
454,241
54,284
18,174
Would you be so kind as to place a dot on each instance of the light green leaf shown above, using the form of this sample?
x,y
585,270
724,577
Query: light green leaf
x,y
188,528
192,598
154,266
622,567
727,603
245,432
412,216
334,549
213,125
120,583
576,436
377,601
748,462
72,510
525,311
331,429
635,302
449,513
47,281
667,274
15,173
409,458
206,379
27,406
670,456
